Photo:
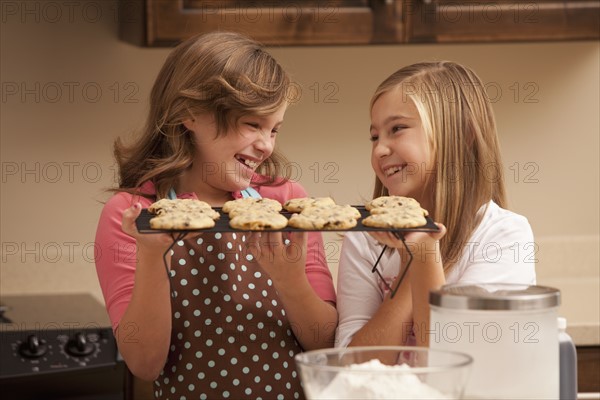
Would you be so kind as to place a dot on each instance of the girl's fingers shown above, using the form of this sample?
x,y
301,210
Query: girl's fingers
x,y
386,238
266,239
297,243
261,243
154,241
441,233
253,237
298,238
253,244
129,217
273,240
277,246
390,240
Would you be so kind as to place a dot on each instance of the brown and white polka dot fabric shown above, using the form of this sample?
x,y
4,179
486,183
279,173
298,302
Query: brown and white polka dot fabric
x,y
231,338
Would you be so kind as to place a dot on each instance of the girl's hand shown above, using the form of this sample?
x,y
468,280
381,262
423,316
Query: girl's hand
x,y
156,242
419,243
283,260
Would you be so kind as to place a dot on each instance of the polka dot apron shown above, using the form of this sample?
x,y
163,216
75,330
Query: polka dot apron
x,y
230,334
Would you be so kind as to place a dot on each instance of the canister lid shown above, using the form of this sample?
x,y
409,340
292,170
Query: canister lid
x,y
497,296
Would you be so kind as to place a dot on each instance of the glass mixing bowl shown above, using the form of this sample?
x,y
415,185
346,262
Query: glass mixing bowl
x,y
383,372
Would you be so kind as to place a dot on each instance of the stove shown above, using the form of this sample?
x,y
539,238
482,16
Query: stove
x,y
58,347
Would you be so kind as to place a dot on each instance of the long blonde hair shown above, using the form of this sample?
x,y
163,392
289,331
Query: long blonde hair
x,y
223,73
458,120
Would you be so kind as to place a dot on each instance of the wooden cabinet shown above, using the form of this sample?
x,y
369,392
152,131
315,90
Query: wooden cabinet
x,y
588,369
502,20
273,22
356,22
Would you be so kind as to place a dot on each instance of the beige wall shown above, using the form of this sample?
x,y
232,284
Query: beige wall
x,y
56,144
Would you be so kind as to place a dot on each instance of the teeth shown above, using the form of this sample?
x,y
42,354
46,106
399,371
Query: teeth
x,y
392,170
250,163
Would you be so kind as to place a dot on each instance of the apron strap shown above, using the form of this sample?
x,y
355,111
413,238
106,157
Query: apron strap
x,y
250,192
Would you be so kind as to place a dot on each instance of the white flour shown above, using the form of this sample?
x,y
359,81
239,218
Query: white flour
x,y
373,380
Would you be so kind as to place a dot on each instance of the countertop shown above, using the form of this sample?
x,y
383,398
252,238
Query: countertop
x,y
580,305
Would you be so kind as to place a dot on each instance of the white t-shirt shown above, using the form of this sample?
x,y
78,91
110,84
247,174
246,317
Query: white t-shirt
x,y
501,250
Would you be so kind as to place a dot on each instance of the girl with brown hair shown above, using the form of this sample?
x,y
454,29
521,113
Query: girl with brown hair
x,y
228,320
434,139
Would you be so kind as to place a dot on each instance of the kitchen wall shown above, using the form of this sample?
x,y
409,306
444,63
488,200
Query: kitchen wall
x,y
70,87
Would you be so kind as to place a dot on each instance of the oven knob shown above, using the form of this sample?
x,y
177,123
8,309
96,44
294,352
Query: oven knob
x,y
33,347
79,346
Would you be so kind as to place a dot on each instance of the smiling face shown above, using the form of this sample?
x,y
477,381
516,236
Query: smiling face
x,y
226,163
400,156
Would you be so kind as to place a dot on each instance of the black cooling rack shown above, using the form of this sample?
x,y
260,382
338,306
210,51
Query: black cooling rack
x,y
222,225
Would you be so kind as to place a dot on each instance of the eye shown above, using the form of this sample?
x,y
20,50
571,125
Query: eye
x,y
253,125
397,128
373,138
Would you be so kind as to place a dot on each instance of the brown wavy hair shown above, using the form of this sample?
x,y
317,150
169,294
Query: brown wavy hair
x,y
223,73
458,120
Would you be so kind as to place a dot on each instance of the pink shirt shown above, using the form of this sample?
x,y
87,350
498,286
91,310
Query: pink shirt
x,y
116,250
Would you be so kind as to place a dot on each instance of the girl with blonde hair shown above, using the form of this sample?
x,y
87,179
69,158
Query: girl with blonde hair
x,y
234,308
434,139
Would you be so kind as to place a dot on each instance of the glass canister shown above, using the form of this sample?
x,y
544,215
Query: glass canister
x,y
510,331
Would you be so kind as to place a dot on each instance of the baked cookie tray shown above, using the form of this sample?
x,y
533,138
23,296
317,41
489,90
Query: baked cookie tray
x,y
222,225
